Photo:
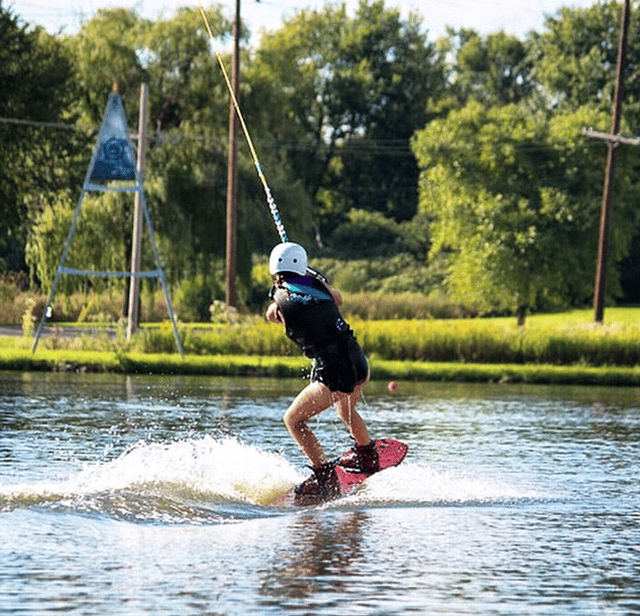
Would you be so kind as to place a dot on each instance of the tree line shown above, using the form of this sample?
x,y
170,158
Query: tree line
x,y
465,155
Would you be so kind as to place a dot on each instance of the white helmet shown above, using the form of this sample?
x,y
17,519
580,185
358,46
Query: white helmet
x,y
288,257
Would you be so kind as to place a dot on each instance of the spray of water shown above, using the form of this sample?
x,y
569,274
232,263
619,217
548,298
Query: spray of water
x,y
210,480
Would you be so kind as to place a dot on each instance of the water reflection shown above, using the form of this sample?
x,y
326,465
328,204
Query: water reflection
x,y
319,556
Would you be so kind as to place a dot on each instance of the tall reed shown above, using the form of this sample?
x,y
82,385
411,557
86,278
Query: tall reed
x,y
463,341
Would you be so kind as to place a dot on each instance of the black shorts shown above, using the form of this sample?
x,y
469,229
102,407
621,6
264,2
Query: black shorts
x,y
341,366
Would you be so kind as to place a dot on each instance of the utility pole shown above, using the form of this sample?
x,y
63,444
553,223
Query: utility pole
x,y
232,170
607,196
136,249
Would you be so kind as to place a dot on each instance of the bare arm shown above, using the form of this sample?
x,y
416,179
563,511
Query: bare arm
x,y
337,296
274,314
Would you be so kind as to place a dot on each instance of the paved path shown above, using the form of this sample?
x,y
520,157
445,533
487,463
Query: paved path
x,y
52,331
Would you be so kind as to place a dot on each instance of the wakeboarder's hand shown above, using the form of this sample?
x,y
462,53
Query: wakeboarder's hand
x,y
273,313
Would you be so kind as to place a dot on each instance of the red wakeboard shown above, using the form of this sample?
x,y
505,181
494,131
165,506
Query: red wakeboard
x,y
390,452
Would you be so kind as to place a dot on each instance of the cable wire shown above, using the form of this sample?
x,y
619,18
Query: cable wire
x,y
270,200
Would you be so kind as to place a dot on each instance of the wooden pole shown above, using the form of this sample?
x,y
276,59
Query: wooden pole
x,y
136,249
232,171
607,194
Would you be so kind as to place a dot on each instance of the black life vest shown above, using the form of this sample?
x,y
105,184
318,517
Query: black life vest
x,y
311,318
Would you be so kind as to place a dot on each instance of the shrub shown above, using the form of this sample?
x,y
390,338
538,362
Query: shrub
x,y
401,273
386,306
366,234
194,297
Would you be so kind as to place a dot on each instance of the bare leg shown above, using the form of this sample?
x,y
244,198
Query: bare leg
x,y
313,399
346,409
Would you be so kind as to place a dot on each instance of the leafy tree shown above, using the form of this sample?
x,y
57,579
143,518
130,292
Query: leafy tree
x,y
494,70
185,82
367,234
102,222
187,160
105,54
186,168
574,59
35,142
346,95
507,186
514,204
574,62
117,47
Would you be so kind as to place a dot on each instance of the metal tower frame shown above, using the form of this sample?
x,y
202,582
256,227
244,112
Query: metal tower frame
x,y
113,160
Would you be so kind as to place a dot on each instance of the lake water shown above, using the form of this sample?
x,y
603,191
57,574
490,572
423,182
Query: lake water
x,y
147,495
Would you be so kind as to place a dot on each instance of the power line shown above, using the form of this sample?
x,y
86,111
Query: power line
x,y
41,124
374,146
369,147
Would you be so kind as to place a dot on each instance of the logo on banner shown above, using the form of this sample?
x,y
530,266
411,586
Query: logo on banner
x,y
115,157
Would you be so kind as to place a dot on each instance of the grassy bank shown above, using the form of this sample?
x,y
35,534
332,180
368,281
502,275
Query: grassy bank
x,y
559,348
563,339
244,365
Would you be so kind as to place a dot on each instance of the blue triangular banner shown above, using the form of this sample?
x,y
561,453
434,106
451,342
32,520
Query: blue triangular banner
x,y
114,157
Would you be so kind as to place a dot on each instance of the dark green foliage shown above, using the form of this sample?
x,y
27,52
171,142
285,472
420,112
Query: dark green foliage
x,y
348,93
36,155
454,169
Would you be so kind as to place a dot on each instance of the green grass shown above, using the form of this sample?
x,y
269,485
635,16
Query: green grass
x,y
554,348
612,317
235,365
500,341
